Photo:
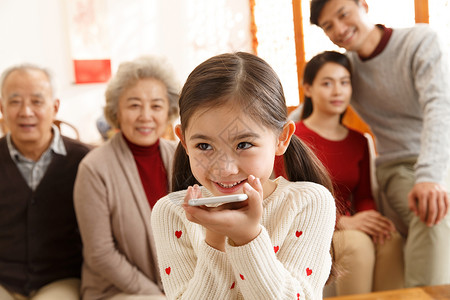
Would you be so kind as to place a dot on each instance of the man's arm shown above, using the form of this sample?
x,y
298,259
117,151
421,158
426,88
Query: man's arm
x,y
428,198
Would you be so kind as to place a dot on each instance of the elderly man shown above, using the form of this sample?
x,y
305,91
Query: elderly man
x,y
400,88
40,245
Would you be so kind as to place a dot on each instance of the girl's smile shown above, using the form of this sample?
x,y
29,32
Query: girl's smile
x,y
225,146
230,187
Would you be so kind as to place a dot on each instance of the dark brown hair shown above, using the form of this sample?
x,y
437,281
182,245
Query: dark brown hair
x,y
247,81
313,67
316,9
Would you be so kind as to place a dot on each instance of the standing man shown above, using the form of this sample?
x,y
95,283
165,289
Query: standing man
x,y
40,245
401,89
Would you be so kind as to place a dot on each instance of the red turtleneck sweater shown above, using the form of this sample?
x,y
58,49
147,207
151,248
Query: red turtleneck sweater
x,y
348,163
151,170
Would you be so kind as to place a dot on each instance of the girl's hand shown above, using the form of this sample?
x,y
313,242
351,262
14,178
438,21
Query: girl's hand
x,y
370,222
212,238
239,221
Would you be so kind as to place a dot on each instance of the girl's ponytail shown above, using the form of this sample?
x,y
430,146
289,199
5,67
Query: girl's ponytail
x,y
301,164
182,176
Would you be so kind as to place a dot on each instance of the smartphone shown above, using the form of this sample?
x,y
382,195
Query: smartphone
x,y
218,200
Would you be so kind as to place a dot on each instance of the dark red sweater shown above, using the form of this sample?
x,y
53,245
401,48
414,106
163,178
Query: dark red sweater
x,y
387,32
348,163
151,170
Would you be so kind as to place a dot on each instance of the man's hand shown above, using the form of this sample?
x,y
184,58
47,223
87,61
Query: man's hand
x,y
429,201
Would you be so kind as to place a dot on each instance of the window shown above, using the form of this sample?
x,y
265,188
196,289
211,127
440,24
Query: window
x,y
276,43
439,12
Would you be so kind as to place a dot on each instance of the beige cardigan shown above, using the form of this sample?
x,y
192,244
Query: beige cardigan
x,y
114,220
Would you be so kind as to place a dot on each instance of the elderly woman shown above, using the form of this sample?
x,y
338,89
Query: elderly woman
x,y
119,182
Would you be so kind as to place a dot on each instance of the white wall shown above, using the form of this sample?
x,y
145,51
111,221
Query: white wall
x,y
37,31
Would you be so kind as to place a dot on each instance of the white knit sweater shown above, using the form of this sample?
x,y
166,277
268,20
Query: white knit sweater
x,y
290,259
404,95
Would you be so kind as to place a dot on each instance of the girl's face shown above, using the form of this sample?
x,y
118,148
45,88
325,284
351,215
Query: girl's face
x,y
331,90
225,146
144,112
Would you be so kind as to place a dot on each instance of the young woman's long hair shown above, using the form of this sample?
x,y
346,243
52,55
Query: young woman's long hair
x,y
313,67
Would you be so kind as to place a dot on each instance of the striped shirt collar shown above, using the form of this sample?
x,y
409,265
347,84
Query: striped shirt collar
x,y
34,171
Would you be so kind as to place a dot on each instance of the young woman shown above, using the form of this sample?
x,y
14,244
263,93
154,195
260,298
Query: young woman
x,y
366,243
276,244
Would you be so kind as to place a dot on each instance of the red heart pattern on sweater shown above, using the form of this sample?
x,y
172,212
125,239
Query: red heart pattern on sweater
x,y
178,234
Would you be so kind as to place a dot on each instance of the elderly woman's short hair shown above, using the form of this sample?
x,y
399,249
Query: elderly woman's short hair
x,y
129,73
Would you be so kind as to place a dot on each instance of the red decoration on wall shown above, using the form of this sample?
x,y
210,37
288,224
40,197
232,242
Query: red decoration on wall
x,y
92,70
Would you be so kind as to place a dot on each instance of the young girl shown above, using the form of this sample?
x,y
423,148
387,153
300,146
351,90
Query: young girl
x,y
367,247
276,244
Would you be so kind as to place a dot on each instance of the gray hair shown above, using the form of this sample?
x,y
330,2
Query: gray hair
x,y
25,67
129,73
